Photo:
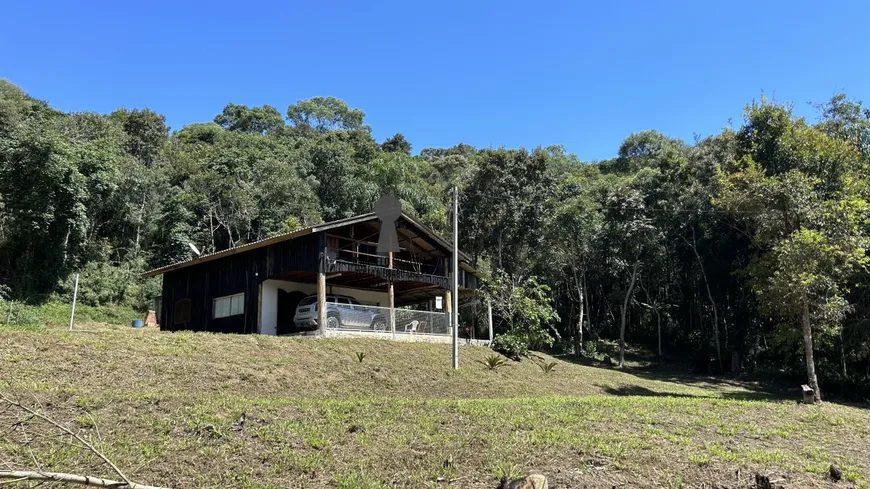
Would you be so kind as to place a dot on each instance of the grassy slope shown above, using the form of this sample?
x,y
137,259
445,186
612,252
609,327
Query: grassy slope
x,y
167,406
54,313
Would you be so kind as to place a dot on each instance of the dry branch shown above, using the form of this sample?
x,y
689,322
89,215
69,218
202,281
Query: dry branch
x,y
69,432
40,475
20,475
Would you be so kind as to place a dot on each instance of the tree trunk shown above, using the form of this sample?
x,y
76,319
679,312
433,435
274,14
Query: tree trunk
x,y
139,223
580,325
624,311
655,305
578,339
588,308
843,355
808,351
499,250
659,331
712,302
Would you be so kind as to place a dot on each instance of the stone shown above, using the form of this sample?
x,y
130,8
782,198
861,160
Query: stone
x,y
809,396
531,481
835,473
764,482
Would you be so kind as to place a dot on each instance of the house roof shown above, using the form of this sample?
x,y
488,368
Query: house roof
x,y
429,232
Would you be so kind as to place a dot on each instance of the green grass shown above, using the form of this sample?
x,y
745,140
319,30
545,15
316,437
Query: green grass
x,y
57,314
167,407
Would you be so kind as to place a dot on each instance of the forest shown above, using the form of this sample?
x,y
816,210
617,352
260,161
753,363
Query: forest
x,y
740,251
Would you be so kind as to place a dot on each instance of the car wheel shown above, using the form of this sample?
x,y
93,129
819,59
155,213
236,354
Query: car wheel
x,y
378,324
333,322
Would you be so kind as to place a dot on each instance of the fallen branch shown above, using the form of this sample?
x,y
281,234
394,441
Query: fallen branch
x,y
69,432
20,475
40,475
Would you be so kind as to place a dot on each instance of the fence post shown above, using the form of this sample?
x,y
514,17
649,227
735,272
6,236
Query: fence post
x,y
72,312
392,295
489,318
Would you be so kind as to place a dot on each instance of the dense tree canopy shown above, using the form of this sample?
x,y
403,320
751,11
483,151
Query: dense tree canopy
x,y
742,250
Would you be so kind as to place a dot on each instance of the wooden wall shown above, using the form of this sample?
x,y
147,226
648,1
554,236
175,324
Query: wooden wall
x,y
243,273
234,274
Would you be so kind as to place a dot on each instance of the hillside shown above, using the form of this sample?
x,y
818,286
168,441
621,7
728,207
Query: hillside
x,y
166,407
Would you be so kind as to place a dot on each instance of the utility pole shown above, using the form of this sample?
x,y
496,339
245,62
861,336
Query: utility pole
x,y
455,285
72,312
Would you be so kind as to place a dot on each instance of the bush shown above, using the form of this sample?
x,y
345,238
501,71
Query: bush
x,y
493,362
526,309
591,348
13,313
103,284
511,345
547,367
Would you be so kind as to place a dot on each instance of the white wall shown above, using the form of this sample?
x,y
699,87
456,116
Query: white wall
x,y
269,298
269,308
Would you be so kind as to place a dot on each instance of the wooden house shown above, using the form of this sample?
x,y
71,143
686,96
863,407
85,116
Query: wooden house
x,y
257,287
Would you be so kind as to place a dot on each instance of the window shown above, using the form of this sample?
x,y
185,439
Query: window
x,y
342,300
182,311
231,305
330,300
308,301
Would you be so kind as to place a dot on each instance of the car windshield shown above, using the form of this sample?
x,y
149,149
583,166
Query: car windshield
x,y
308,301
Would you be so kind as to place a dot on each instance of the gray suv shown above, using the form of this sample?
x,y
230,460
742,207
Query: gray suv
x,y
342,311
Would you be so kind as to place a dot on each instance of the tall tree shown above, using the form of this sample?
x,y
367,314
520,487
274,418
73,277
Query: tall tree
x,y
396,144
325,113
804,200
241,118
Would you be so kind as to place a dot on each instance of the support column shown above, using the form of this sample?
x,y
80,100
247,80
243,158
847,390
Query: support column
x,y
260,309
489,318
391,294
448,308
321,303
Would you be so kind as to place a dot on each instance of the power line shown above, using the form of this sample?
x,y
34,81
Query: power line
x,y
691,211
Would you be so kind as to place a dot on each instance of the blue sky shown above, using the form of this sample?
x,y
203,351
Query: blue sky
x,y
486,73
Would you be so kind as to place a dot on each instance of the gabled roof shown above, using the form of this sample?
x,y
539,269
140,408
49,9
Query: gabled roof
x,y
429,232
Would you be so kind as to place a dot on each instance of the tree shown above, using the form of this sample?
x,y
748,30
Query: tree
x,y
525,313
147,133
504,203
241,118
803,198
397,144
847,120
324,114
572,230
629,236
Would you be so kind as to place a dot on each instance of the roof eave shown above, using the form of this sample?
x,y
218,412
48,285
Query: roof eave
x,y
301,232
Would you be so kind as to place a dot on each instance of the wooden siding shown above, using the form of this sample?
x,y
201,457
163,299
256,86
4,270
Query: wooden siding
x,y
245,271
234,274
394,274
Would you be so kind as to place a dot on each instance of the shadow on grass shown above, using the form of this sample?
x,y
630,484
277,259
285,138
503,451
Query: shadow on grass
x,y
645,366
636,390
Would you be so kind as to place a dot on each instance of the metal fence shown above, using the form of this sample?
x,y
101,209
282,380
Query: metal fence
x,y
354,317
421,322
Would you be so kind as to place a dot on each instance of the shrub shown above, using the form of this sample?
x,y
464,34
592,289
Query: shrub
x,y
360,355
525,308
547,367
493,362
510,345
14,313
591,348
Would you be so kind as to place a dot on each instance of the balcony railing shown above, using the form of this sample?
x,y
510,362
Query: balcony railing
x,y
378,320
